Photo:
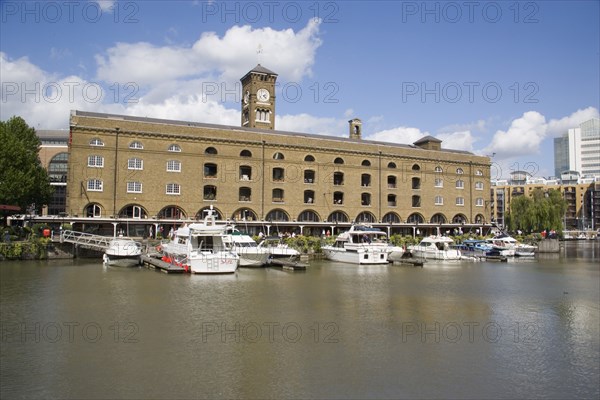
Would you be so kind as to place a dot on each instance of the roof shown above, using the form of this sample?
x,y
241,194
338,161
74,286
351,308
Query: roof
x,y
259,69
426,139
254,130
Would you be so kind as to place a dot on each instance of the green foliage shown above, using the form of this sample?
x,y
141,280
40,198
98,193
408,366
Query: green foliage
x,y
23,179
544,210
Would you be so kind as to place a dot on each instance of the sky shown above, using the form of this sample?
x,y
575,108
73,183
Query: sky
x,y
497,78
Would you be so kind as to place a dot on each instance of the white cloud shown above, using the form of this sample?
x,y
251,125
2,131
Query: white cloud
x,y
462,140
401,134
106,5
523,137
558,127
288,53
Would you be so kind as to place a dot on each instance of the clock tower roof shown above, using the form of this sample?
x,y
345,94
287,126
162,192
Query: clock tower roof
x,y
259,69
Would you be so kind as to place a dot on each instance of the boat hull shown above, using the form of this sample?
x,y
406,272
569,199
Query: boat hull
x,y
362,257
435,255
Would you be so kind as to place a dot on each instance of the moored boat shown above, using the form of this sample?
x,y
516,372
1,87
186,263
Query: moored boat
x,y
360,245
276,248
122,252
247,249
201,248
435,248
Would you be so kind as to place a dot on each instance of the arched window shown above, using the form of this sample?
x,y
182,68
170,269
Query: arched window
x,y
459,219
337,216
278,156
438,218
245,153
416,167
245,214
309,158
366,163
415,218
479,202
308,216
460,184
203,212
460,201
391,218
478,185
136,145
391,165
175,148
277,215
438,182
96,142
459,171
338,160
57,169
366,216
439,201
438,170
171,212
211,151
479,172
479,219
133,211
93,210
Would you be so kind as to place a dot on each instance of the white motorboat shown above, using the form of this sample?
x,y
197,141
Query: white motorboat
x,y
435,248
525,250
247,249
360,245
509,246
123,252
276,248
201,248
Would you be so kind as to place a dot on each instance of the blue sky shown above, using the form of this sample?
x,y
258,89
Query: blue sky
x,y
496,78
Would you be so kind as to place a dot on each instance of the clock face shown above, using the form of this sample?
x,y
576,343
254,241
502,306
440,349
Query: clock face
x,y
262,94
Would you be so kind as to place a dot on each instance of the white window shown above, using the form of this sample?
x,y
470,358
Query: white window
x,y
460,201
135,163
175,148
459,171
460,184
96,161
479,172
438,169
439,182
173,166
96,142
479,202
94,185
136,145
478,185
134,187
173,188
439,201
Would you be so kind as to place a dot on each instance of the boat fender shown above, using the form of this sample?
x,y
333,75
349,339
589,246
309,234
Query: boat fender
x,y
159,248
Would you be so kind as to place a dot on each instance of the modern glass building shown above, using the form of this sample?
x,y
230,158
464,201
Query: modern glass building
x,y
579,150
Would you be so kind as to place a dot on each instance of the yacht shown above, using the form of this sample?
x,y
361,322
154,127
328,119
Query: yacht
x,y
250,254
476,248
509,246
123,252
435,248
202,248
277,248
360,245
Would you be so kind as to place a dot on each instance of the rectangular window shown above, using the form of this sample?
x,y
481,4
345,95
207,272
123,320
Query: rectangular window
x,y
479,202
439,182
94,185
460,201
135,163
439,201
134,187
173,166
96,161
173,188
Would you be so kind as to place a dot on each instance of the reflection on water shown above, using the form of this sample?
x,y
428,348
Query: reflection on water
x,y
522,329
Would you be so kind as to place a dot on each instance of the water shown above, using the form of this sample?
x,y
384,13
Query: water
x,y
523,329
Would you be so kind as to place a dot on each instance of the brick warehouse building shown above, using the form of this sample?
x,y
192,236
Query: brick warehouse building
x,y
163,171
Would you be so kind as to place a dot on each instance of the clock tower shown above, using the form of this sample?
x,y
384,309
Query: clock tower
x,y
258,98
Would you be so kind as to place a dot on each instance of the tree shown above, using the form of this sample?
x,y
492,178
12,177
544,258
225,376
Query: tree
x,y
23,180
543,210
